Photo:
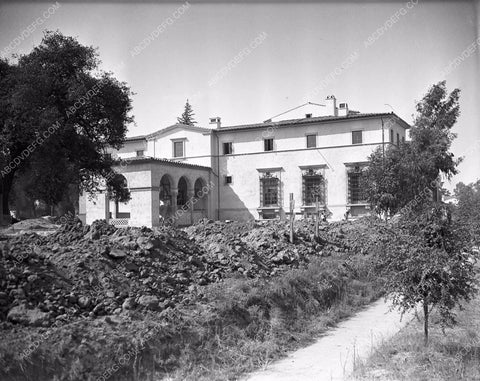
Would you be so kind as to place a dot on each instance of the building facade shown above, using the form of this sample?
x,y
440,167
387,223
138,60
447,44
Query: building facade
x,y
185,173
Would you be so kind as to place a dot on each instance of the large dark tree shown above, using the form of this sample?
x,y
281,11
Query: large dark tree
x,y
58,115
187,116
404,173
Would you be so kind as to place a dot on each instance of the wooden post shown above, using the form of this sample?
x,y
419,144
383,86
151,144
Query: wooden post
x,y
317,215
292,216
107,206
1,209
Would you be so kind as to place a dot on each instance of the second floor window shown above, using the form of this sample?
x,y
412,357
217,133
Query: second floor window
x,y
178,149
311,141
268,144
227,148
357,137
391,136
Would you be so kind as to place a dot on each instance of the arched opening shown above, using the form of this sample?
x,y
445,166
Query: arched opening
x,y
182,196
165,196
165,190
119,211
200,194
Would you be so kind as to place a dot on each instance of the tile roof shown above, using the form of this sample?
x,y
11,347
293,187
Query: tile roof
x,y
281,123
290,122
149,159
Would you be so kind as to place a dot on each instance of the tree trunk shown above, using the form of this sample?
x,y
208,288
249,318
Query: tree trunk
x,y
7,182
425,322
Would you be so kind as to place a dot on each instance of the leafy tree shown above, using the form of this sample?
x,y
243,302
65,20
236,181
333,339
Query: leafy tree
x,y
59,114
187,116
428,262
467,211
395,179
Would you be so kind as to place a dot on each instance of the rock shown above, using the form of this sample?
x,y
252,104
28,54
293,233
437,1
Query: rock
x,y
117,253
84,301
32,278
21,315
129,304
149,301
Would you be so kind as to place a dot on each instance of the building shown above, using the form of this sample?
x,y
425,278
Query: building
x,y
185,173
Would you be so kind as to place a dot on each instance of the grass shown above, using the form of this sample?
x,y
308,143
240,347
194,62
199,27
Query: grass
x,y
233,327
451,355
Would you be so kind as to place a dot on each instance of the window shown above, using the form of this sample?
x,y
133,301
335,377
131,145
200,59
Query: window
x,y
355,186
269,190
308,116
228,179
311,141
403,139
356,137
227,148
140,153
398,139
268,144
178,149
313,187
391,136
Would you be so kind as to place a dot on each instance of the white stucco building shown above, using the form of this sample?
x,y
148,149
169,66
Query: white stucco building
x,y
184,173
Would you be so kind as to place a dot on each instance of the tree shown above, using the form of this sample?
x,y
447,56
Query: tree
x,y
467,211
59,115
429,262
187,116
395,179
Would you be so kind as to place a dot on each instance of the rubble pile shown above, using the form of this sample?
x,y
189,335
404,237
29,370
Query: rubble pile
x,y
90,271
252,248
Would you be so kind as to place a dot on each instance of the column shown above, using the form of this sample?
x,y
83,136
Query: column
x,y
191,195
173,217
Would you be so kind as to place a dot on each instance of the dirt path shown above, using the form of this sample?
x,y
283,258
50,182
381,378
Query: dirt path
x,y
332,356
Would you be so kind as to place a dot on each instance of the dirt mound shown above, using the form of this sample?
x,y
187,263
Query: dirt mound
x,y
88,271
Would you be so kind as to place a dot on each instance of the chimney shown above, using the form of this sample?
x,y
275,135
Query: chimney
x,y
343,109
217,120
331,105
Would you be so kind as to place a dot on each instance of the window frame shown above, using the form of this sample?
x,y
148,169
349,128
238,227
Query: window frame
x,y
265,145
360,198
353,137
230,145
182,142
226,179
268,183
309,199
309,136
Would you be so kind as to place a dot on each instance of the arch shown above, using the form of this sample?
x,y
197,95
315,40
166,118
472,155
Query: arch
x,y
165,208
200,194
121,210
165,190
182,195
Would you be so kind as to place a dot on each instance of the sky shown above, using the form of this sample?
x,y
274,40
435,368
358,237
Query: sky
x,y
247,61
